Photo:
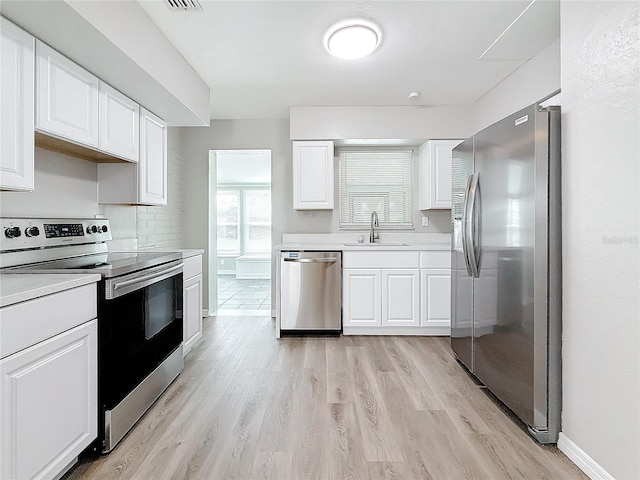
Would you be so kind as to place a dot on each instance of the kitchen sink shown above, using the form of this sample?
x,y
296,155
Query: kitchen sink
x,y
377,244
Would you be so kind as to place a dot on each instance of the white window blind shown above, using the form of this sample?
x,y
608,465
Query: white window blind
x,y
378,181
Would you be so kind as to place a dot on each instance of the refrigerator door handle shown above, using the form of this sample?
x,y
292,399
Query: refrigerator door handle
x,y
465,226
472,228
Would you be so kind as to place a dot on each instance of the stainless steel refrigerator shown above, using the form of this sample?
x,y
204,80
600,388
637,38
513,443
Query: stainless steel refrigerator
x,y
506,264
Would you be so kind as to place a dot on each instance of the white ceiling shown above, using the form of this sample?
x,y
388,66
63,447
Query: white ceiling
x,y
262,57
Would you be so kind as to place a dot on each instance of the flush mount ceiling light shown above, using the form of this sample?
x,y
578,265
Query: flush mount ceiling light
x,y
352,39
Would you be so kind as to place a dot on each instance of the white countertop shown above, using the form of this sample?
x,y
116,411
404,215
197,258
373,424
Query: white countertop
x,y
348,241
17,287
340,246
185,252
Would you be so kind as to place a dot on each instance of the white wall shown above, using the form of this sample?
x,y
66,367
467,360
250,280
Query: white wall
x,y
378,122
255,134
64,187
533,81
199,228
601,288
68,187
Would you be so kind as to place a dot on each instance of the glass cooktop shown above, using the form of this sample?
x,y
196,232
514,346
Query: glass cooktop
x,y
107,264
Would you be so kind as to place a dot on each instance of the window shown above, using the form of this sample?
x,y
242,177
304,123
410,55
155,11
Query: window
x,y
378,181
257,221
244,220
228,221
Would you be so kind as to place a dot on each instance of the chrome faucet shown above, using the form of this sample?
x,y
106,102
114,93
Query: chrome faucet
x,y
373,235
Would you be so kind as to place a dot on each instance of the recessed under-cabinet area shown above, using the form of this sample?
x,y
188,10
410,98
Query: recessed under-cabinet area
x,y
57,105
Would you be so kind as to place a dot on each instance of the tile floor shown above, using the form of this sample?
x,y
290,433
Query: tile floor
x,y
234,294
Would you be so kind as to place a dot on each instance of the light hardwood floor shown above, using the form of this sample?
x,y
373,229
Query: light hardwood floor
x,y
250,406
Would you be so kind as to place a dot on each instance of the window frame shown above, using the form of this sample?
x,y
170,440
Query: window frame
x,y
238,194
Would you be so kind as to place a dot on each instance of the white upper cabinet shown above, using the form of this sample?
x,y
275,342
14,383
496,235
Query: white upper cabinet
x,y
16,108
66,98
435,174
153,159
119,124
144,183
313,174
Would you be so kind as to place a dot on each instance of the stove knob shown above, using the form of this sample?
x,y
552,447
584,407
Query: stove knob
x,y
32,232
92,229
12,232
104,228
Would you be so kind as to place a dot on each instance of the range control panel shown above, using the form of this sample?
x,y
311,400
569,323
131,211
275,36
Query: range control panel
x,y
23,233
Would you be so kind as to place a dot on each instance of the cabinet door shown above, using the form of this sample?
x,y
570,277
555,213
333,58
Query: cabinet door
x,y
48,406
313,175
192,311
361,305
66,98
119,124
435,174
152,171
16,107
435,299
400,301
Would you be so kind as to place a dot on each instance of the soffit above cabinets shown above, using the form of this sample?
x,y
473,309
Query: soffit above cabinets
x,y
118,43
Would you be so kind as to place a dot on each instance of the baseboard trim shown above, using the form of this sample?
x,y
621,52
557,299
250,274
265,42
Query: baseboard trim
x,y
414,331
584,462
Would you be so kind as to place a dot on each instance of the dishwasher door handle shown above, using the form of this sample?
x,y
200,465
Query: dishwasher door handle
x,y
311,260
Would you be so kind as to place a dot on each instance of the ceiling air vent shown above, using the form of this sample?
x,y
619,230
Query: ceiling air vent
x,y
183,5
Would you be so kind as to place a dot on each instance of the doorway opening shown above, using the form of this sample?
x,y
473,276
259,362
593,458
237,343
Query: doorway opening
x,y
243,232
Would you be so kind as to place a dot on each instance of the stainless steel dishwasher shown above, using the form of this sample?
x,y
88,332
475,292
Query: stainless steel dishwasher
x,y
310,292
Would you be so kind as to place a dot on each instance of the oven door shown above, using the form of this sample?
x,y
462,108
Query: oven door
x,y
140,326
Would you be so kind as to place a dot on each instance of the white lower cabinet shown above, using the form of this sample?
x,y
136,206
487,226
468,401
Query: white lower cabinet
x,y
435,292
396,293
362,297
436,300
49,404
191,302
400,301
48,382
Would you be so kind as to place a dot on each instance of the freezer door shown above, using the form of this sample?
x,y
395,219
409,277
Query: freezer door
x,y
509,348
461,281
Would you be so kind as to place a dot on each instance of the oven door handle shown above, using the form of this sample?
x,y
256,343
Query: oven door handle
x,y
118,288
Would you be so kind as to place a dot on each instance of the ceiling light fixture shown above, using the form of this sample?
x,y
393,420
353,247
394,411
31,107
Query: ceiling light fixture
x,y
352,39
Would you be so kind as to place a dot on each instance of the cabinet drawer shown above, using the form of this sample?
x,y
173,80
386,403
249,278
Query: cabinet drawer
x,y
192,266
27,323
397,259
441,259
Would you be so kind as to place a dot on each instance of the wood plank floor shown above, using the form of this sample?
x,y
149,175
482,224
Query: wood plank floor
x,y
250,406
